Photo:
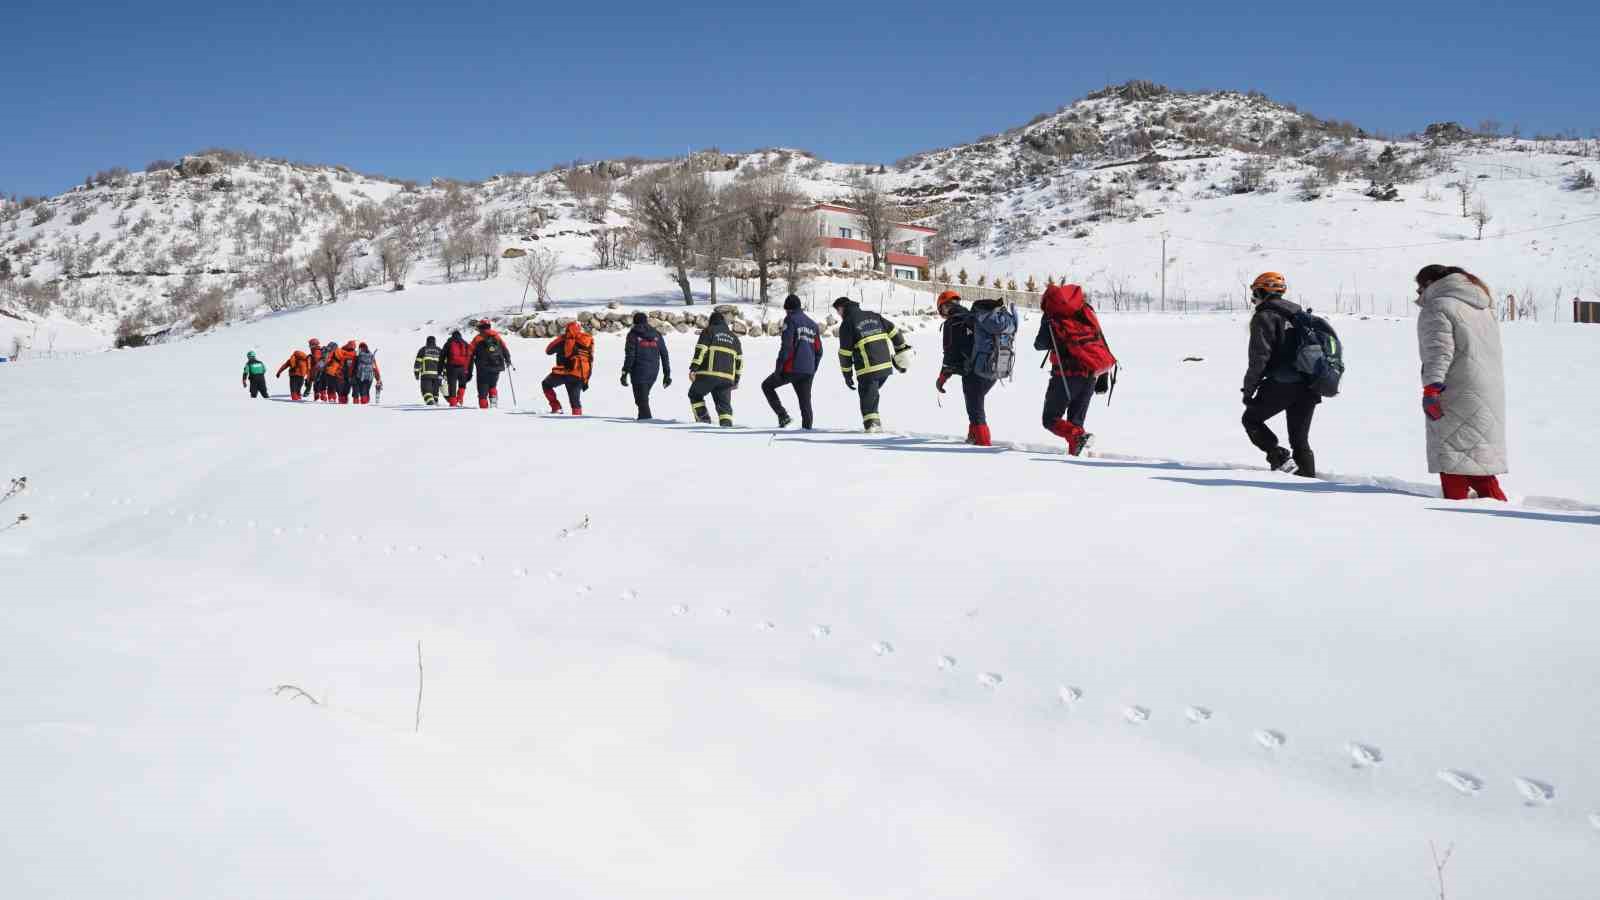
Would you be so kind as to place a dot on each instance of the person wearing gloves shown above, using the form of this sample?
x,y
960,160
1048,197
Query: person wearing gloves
x,y
716,369
644,355
871,349
1463,382
799,352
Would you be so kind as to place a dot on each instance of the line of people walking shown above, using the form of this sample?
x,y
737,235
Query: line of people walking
x,y
1295,360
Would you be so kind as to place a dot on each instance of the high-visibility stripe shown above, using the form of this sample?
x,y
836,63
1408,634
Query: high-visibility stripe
x,y
722,418
699,405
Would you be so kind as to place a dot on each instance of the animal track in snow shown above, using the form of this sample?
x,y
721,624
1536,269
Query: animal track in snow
x,y
883,648
1271,739
519,572
1364,756
1138,715
724,612
415,548
1464,782
1594,819
766,626
1537,793
946,663
1069,694
584,589
553,574
991,680
477,559
678,609
1197,714
442,557
628,595
820,631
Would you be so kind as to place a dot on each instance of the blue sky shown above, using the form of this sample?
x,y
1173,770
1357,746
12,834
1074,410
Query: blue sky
x,y
468,89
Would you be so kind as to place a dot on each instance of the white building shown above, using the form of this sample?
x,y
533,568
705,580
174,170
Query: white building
x,y
847,247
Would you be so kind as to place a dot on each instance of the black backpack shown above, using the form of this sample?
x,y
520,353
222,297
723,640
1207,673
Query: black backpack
x,y
1319,354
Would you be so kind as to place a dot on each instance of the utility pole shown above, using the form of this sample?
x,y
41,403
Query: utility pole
x,y
1163,271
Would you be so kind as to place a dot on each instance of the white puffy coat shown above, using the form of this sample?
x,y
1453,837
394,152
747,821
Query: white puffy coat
x,y
1458,339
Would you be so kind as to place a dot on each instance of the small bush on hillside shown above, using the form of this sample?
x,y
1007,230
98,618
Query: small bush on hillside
x,y
80,216
1581,180
42,214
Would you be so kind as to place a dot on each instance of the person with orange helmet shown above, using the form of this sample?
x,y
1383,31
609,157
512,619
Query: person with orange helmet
x,y
299,366
336,365
314,370
489,357
974,342
1081,362
574,353
1272,383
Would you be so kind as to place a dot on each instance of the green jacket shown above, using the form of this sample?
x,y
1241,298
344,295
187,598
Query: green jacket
x,y
254,367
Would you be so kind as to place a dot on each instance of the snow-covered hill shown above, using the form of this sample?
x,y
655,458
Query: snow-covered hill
x,y
1234,183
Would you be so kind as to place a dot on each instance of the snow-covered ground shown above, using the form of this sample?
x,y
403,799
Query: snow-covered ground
x,y
669,660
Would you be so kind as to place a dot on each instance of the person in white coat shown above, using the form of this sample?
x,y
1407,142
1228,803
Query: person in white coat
x,y
1463,382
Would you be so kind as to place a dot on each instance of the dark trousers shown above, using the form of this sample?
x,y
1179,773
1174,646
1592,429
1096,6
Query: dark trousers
x,y
1067,398
341,387
455,380
430,389
1300,404
574,386
487,380
974,388
258,386
802,394
296,385
721,391
869,387
362,390
641,392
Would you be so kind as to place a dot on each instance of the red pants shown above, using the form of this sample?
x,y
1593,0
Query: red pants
x,y
1455,486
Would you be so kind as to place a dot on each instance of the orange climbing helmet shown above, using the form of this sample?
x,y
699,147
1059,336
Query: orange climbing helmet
x,y
1269,283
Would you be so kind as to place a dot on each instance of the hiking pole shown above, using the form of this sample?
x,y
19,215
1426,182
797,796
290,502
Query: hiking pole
x,y
512,383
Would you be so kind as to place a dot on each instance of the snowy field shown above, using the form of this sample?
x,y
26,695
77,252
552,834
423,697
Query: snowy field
x,y
665,660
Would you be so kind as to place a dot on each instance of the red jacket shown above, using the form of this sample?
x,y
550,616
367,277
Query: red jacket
x,y
1071,328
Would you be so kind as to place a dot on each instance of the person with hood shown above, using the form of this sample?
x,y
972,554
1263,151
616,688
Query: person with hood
x,y
336,366
489,357
457,362
299,366
716,368
574,353
254,376
426,370
959,336
314,370
330,386
799,353
871,348
1272,384
644,355
1463,382
1080,362
364,373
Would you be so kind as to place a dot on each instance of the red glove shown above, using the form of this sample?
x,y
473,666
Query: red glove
x,y
943,377
1432,405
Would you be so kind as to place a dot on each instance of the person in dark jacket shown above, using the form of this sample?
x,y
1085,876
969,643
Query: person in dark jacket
x,y
871,348
644,354
958,337
255,376
1272,385
426,370
456,360
364,373
799,352
717,366
490,357
1080,362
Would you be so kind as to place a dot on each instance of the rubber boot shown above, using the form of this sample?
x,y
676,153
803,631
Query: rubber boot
x,y
483,401
550,397
980,435
577,410
972,434
1075,437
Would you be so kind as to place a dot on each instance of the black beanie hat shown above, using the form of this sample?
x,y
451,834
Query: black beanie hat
x,y
791,303
640,318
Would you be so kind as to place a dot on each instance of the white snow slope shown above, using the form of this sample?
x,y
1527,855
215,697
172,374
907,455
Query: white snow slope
x,y
663,660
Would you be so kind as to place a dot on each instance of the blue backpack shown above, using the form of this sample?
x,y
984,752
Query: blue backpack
x,y
1319,357
994,343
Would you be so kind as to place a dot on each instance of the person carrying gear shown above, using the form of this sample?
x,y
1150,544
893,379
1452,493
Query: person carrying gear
x,y
718,363
871,348
456,359
644,353
960,337
299,366
254,375
574,353
330,393
336,368
490,356
426,371
799,352
1272,383
314,369
1080,362
363,374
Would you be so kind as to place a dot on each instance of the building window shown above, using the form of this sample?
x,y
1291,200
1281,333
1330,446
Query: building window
x,y
847,233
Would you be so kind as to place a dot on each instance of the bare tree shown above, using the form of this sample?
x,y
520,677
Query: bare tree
x,y
592,190
669,210
762,204
329,261
395,253
278,279
1464,191
874,215
1481,216
537,270
721,239
798,241
938,249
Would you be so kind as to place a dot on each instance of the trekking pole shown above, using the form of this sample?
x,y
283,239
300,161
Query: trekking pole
x,y
512,383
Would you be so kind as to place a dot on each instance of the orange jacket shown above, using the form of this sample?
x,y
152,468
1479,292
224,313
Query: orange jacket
x,y
335,362
574,352
298,363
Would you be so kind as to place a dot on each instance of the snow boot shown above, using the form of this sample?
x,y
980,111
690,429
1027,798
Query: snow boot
x,y
577,410
872,427
980,435
784,420
972,435
483,401
1282,460
1077,439
550,397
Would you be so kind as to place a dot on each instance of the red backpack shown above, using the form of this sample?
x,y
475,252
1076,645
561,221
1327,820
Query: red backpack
x,y
1076,333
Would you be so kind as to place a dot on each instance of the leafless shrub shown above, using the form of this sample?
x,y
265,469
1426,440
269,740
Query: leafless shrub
x,y
536,271
669,209
796,245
